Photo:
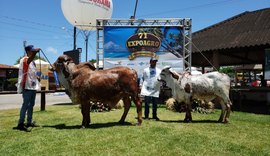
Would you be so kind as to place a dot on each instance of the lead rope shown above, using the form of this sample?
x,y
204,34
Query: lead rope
x,y
39,67
54,72
204,56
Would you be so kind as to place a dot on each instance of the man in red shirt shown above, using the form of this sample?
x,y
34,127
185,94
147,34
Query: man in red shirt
x,y
28,83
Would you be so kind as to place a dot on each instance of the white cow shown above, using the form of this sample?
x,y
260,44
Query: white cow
x,y
207,87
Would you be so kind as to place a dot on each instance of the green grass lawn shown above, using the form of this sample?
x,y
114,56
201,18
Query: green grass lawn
x,y
60,134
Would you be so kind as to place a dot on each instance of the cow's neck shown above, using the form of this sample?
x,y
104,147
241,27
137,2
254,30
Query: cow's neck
x,y
183,79
72,68
171,84
64,81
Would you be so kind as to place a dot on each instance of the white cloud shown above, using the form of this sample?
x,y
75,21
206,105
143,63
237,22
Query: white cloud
x,y
112,45
52,50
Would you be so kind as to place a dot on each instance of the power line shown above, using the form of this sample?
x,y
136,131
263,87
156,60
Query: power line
x,y
24,27
7,29
35,23
22,38
187,8
28,27
27,21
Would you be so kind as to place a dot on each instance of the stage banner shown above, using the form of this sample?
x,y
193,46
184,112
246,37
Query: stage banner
x,y
134,46
267,64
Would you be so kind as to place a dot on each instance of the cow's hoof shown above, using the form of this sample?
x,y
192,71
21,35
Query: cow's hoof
x,y
121,122
138,124
85,126
220,120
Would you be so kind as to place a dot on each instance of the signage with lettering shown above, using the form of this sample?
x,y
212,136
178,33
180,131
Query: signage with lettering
x,y
134,46
143,44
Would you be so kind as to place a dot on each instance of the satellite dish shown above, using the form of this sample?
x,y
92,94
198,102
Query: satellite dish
x,y
83,13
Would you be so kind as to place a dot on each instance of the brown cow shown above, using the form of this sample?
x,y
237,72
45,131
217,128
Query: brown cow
x,y
108,86
64,81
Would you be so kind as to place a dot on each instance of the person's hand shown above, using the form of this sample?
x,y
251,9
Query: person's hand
x,y
38,49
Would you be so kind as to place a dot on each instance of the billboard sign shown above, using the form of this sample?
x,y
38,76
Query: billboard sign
x,y
74,54
134,46
143,44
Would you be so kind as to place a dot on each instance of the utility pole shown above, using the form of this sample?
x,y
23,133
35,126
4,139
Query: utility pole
x,y
86,33
134,15
24,45
74,37
135,9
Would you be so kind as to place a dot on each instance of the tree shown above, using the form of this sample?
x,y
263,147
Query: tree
x,y
227,70
93,61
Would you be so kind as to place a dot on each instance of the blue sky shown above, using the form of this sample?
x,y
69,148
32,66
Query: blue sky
x,y
42,23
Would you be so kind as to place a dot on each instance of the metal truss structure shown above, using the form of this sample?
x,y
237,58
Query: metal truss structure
x,y
184,23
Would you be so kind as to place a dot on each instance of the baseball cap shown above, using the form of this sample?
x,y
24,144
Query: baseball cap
x,y
30,48
153,59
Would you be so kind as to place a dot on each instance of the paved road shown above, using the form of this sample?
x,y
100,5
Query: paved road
x,y
9,101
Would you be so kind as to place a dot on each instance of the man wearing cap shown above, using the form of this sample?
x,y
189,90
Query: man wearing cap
x,y
28,83
151,88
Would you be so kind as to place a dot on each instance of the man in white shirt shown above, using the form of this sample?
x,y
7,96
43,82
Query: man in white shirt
x,y
28,83
151,88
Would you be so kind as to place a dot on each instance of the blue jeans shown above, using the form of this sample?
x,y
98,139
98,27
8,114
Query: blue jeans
x,y
147,101
29,97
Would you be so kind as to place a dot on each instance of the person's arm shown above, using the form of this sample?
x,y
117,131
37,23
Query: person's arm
x,y
144,75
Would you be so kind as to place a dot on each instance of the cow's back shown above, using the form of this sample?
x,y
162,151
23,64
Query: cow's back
x,y
107,85
127,79
219,79
209,85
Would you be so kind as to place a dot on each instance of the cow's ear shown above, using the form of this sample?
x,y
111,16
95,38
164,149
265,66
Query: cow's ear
x,y
90,65
174,75
187,74
167,68
65,69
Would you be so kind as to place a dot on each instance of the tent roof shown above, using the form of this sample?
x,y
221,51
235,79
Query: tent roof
x,y
38,61
249,67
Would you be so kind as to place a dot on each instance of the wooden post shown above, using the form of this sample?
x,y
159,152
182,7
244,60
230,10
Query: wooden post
x,y
43,99
216,60
203,70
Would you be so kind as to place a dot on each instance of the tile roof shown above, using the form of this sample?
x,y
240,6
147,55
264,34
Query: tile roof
x,y
4,66
248,29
